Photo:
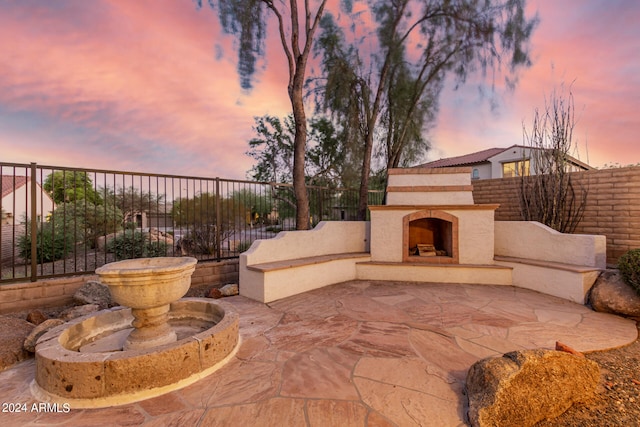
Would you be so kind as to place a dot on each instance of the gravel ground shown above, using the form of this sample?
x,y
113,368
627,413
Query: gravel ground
x,y
618,400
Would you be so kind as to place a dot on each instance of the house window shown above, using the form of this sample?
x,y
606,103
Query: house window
x,y
518,168
475,174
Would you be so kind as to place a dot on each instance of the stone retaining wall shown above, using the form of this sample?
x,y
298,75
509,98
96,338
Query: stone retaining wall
x,y
613,205
59,291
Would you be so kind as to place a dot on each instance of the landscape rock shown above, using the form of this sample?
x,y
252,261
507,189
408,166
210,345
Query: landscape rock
x,y
36,317
78,311
229,290
15,331
94,293
31,340
103,241
524,387
214,293
610,294
156,235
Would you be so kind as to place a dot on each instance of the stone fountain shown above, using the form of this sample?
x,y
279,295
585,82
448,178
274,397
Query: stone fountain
x,y
148,286
155,342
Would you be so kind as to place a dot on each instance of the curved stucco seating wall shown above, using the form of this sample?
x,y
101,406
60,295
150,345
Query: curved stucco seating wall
x,y
299,261
547,261
533,240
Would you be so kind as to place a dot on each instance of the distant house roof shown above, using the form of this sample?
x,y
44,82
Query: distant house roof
x,y
484,156
11,183
467,159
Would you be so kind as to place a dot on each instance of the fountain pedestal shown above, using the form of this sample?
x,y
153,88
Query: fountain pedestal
x,y
148,286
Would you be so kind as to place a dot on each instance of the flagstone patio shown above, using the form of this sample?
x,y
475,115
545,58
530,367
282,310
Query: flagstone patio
x,y
359,353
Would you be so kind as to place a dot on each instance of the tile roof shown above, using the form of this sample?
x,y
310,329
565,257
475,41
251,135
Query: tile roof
x,y
467,159
8,185
483,156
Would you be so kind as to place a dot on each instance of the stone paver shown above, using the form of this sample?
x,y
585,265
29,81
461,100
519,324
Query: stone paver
x,y
360,353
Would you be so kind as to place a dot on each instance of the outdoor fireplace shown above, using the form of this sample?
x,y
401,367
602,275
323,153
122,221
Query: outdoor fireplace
x,y
430,236
430,220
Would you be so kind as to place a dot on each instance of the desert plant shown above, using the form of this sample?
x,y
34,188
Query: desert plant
x,y
136,245
244,246
200,240
52,243
629,266
550,195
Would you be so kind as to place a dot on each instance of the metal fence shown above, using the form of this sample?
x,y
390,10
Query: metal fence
x,y
85,218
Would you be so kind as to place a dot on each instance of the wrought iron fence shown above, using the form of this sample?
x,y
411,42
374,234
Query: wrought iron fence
x,y
60,221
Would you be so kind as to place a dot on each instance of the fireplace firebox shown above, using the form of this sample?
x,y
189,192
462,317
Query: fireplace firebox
x,y
430,236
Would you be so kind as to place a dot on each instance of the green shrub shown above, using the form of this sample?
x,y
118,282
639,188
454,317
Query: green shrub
x,y
53,243
243,246
200,240
629,266
136,245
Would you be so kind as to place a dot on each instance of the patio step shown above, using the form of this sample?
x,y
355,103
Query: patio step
x,y
436,273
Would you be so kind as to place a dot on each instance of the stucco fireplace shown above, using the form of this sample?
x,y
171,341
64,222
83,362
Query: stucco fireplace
x,y
430,218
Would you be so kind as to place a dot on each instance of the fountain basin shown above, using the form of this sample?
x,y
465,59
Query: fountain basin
x,y
148,286
81,363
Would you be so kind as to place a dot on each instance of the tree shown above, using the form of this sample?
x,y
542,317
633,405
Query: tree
x,y
273,151
246,20
393,94
200,214
258,206
549,195
71,186
132,201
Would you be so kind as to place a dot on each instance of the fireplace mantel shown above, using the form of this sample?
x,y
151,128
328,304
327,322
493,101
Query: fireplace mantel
x,y
434,207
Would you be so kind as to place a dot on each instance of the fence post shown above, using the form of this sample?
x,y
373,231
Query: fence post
x,y
218,221
34,224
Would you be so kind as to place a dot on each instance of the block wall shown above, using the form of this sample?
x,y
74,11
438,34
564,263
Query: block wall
x,y
613,205
57,292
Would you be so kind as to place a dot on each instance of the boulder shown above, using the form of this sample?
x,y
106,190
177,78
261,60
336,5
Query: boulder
x,y
610,294
44,327
229,290
214,293
78,311
36,317
156,235
524,387
103,241
15,331
94,293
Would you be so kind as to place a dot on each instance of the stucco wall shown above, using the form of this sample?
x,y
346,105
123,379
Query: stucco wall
x,y
613,205
328,237
532,240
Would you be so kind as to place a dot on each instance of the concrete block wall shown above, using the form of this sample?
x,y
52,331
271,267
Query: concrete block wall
x,y
57,292
613,205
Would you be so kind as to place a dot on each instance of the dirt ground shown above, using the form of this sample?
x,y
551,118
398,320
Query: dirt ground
x,y
618,400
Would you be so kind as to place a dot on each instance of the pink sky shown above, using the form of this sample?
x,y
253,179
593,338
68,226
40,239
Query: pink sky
x,y
152,87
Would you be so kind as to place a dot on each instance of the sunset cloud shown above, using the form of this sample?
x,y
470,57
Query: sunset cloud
x,y
129,86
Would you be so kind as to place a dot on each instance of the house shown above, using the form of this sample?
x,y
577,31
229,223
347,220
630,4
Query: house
x,y
16,199
500,162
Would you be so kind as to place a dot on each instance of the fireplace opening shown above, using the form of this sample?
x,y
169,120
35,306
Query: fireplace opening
x,y
430,237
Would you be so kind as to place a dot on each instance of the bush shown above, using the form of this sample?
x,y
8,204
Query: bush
x,y
200,240
53,243
244,246
629,266
136,245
